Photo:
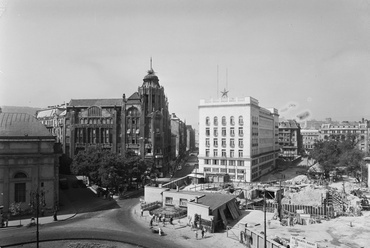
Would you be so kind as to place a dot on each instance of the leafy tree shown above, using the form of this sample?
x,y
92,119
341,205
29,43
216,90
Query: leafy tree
x,y
339,151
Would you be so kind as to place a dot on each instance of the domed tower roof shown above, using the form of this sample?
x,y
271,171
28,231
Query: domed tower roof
x,y
151,78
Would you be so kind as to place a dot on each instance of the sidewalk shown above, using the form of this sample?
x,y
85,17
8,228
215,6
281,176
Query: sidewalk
x,y
42,220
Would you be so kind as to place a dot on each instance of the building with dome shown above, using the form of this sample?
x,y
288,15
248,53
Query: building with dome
x,y
139,123
29,162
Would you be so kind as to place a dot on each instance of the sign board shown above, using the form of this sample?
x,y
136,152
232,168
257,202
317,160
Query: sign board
x,y
301,243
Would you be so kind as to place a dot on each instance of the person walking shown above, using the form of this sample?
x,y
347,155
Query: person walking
x,y
142,212
203,230
164,221
196,234
55,215
151,223
159,231
171,220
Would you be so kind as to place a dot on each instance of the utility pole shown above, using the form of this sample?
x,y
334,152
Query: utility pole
x,y
264,216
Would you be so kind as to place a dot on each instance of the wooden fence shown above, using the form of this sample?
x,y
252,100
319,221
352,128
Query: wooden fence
x,y
317,211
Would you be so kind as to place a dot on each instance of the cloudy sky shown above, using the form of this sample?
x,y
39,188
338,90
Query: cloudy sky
x,y
294,55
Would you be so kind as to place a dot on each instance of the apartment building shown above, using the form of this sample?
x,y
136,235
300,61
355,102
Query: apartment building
x,y
238,139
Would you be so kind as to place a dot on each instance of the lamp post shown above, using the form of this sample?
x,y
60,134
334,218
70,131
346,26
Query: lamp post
x,y
264,217
37,197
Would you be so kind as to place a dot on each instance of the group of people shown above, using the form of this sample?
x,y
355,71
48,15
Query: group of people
x,y
159,218
203,231
4,220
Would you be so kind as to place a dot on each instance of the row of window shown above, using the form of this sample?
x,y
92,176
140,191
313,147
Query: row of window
x,y
93,135
223,131
223,120
223,153
224,162
223,170
223,142
96,121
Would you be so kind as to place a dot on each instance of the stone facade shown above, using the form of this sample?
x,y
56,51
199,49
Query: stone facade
x,y
28,163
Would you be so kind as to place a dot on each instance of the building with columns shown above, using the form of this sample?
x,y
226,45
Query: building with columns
x,y
238,139
139,123
29,160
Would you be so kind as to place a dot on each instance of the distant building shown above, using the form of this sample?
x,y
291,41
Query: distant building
x,y
190,138
290,139
140,123
178,137
237,139
340,130
309,137
53,118
29,161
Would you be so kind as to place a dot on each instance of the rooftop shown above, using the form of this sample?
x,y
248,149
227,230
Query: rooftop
x,y
18,124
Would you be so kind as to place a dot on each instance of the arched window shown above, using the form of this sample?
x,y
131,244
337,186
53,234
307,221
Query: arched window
x,y
215,121
232,120
223,120
207,121
94,111
20,175
241,122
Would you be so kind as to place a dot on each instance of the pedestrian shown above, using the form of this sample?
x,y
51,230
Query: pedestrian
x,y
203,232
171,219
151,223
142,212
159,231
164,221
196,234
160,217
55,216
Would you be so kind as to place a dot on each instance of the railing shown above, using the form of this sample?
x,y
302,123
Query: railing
x,y
151,205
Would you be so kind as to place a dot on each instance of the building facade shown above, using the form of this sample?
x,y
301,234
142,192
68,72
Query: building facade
x,y
309,137
29,163
139,123
340,130
53,118
290,139
237,138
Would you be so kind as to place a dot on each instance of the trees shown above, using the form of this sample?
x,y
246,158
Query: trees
x,y
108,169
337,152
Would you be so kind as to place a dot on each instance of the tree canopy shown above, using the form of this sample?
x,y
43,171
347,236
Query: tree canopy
x,y
339,152
108,169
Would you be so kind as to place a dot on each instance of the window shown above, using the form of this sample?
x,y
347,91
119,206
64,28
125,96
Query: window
x,y
241,171
223,120
223,162
240,163
215,162
232,131
223,142
183,202
206,161
240,143
241,122
207,152
223,152
223,170
232,171
240,153
232,162
215,142
232,153
20,192
215,153
215,170
207,131
240,131
223,132
232,143
232,121
169,201
215,121
207,169
207,121
215,132
207,142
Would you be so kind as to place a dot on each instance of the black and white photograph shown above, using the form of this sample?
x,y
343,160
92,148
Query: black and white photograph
x,y
184,123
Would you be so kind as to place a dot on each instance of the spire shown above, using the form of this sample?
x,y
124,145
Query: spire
x,y
151,64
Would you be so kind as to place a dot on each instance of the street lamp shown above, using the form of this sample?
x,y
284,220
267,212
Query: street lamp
x,y
39,197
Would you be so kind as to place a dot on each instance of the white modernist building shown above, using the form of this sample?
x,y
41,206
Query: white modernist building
x,y
237,138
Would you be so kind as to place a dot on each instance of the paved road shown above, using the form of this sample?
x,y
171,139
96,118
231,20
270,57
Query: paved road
x,y
117,224
187,167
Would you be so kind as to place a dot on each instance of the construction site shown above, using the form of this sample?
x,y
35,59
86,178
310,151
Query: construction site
x,y
298,199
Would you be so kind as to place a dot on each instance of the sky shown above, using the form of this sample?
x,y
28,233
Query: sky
x,y
304,58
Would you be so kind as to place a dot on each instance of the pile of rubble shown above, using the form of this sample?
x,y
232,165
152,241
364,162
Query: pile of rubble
x,y
309,196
